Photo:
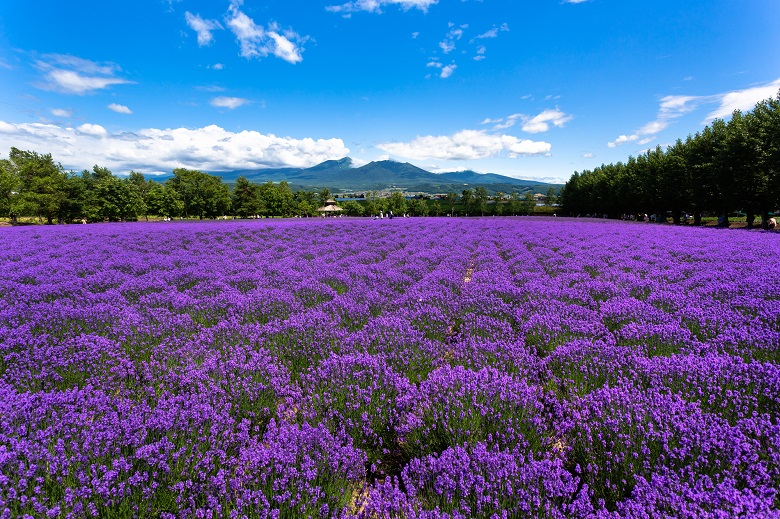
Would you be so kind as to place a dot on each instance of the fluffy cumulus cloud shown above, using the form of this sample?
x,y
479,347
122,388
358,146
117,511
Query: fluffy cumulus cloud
x,y
256,41
447,70
203,28
465,145
74,75
674,107
93,130
153,150
375,6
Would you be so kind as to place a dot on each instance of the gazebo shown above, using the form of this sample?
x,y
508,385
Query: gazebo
x,y
330,207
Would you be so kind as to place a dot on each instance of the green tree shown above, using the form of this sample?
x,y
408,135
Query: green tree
x,y
245,200
324,196
514,203
418,207
550,199
466,198
397,204
451,198
119,199
9,184
165,201
746,163
305,203
203,195
42,185
285,199
480,199
352,208
529,202
142,187
767,126
71,208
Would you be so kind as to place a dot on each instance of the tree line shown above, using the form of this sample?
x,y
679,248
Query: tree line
x,y
34,185
728,167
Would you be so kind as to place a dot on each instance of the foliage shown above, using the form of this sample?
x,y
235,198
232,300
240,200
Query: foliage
x,y
726,168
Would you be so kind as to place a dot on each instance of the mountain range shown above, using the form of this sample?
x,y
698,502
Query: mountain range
x,y
341,175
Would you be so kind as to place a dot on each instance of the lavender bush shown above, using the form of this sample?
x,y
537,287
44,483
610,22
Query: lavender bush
x,y
437,368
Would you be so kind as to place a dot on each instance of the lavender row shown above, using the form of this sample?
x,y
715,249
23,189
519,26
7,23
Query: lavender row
x,y
400,368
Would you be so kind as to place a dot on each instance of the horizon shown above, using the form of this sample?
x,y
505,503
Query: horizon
x,y
533,92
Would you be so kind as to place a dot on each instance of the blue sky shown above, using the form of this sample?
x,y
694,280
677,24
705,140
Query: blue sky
x,y
534,89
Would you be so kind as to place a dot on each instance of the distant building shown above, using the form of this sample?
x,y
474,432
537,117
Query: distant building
x,y
330,208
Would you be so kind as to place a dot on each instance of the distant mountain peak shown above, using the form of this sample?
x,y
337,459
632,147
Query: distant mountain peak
x,y
345,163
341,174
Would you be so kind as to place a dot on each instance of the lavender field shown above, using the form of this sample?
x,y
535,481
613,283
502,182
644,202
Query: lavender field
x,y
433,368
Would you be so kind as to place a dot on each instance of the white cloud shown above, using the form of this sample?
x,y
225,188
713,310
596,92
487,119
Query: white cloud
x,y
503,124
588,155
94,130
675,106
229,102
375,6
492,33
120,109
622,140
73,75
447,45
74,83
464,145
575,1
744,100
217,66
210,88
202,27
61,112
541,123
415,35
653,127
284,48
534,124
447,70
256,41
153,150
